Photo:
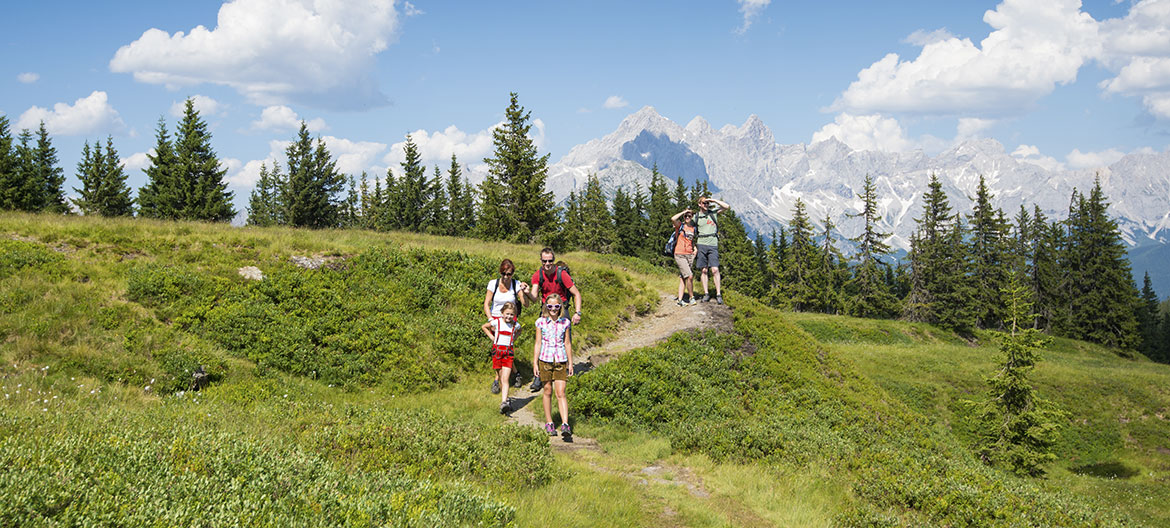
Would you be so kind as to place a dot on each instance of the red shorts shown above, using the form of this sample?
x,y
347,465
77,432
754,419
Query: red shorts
x,y
501,356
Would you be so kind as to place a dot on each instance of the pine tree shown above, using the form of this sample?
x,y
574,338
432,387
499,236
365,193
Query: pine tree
x,y
831,272
414,191
522,173
310,193
1099,276
351,215
1045,278
800,263
682,199
597,227
777,253
264,204
953,291
627,222
201,190
9,167
1163,348
1018,428
927,249
162,196
989,262
573,227
646,249
462,201
103,178
869,295
44,186
1147,318
737,257
365,202
660,209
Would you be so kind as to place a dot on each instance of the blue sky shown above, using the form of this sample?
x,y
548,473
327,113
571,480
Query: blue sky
x,y
1061,83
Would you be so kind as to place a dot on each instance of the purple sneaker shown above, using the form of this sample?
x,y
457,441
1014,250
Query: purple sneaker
x,y
548,428
566,432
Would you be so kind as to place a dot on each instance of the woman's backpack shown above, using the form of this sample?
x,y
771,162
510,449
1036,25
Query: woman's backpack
x,y
668,251
496,286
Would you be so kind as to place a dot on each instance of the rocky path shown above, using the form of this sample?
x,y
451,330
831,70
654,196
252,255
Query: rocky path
x,y
641,332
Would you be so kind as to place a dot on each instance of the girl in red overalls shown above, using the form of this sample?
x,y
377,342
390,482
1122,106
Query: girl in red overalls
x,y
503,332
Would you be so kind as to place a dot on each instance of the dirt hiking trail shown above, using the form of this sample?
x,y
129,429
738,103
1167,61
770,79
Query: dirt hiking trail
x,y
639,332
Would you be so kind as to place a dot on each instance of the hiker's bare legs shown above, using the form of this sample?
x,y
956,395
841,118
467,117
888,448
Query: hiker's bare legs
x,y
718,287
562,402
703,279
505,374
546,396
691,286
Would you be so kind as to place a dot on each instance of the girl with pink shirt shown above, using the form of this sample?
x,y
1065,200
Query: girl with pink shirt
x,y
552,360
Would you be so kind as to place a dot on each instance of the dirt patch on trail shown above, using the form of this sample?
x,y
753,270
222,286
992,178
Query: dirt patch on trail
x,y
668,319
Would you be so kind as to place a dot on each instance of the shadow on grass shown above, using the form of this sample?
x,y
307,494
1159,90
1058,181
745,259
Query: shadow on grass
x,y
1113,469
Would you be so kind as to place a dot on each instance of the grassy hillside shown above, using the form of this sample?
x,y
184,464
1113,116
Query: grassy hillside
x,y
356,395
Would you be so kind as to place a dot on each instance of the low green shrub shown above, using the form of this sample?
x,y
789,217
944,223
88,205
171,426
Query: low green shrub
x,y
125,473
16,255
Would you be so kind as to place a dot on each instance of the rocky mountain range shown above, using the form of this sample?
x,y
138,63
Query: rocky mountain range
x,y
762,179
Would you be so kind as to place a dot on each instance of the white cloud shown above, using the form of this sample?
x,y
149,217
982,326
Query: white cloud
x,y
1031,154
246,175
206,106
1137,47
274,51
137,161
410,10
437,147
615,101
1034,47
28,77
353,157
971,127
281,117
1093,160
866,132
923,37
750,9
88,115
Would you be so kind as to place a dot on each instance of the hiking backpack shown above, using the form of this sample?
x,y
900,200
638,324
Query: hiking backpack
x,y
561,266
519,305
668,250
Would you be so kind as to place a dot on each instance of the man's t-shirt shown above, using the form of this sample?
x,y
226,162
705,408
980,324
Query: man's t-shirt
x,y
548,284
708,227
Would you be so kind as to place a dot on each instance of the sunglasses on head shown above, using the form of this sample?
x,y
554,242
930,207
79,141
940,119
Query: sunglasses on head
x,y
553,306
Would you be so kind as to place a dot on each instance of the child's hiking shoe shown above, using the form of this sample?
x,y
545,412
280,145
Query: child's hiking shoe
x,y
548,428
536,384
680,302
566,432
496,386
506,406
719,299
517,383
693,302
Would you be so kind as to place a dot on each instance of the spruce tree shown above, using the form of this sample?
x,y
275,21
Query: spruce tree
x,y
1018,429
265,207
953,290
660,209
927,250
597,224
627,222
1162,354
310,193
9,167
162,196
1046,275
1147,318
831,272
103,182
414,192
200,188
44,187
682,199
462,201
521,173
776,254
573,227
365,202
869,295
1099,276
351,215
800,263
989,262
737,257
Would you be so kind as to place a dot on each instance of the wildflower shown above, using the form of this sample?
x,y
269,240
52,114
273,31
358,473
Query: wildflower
x,y
46,409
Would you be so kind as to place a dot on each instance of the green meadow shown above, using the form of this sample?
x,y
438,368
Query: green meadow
x,y
356,395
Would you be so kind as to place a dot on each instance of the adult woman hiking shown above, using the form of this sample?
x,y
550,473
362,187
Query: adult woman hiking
x,y
684,255
500,291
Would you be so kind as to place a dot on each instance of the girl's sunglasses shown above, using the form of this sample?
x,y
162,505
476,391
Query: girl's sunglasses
x,y
553,306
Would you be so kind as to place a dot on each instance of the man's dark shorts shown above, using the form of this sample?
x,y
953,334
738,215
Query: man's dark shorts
x,y
708,256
